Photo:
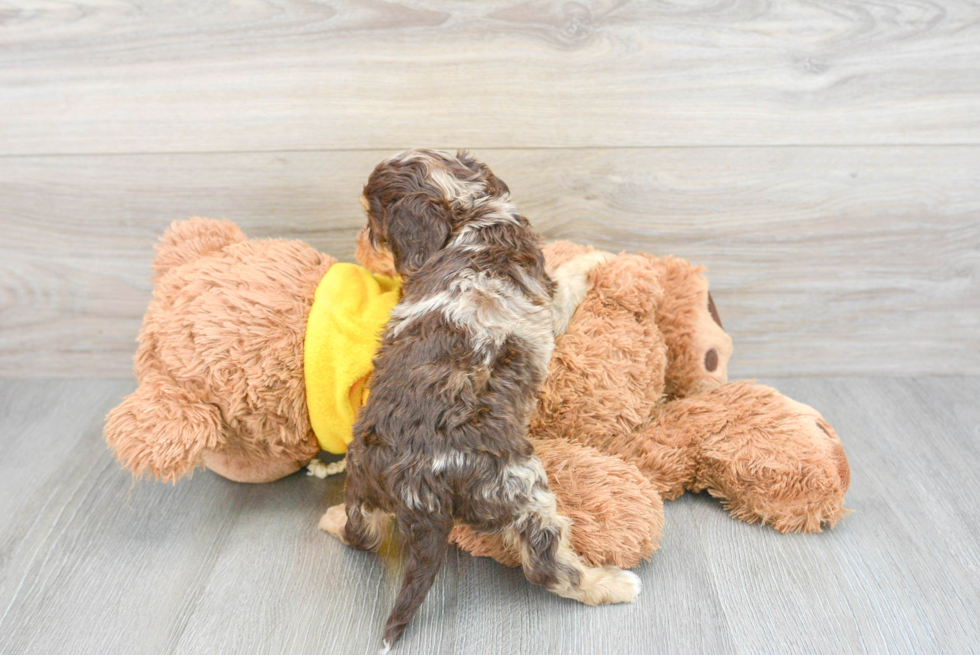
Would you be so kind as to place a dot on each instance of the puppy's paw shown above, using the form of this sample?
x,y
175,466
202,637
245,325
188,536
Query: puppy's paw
x,y
571,285
609,585
334,521
623,587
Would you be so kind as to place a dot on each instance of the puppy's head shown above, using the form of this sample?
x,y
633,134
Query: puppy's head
x,y
415,201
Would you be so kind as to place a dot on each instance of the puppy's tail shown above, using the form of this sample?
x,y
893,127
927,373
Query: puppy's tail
x,y
425,539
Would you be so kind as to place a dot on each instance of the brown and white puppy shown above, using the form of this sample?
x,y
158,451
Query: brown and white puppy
x,y
442,437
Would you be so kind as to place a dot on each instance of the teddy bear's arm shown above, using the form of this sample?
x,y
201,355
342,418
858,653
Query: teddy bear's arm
x,y
607,369
572,282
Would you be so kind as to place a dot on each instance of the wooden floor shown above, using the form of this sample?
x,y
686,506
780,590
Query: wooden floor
x,y
821,158
92,563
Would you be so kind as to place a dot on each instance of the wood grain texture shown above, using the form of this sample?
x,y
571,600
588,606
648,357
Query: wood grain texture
x,y
92,562
125,76
822,260
902,574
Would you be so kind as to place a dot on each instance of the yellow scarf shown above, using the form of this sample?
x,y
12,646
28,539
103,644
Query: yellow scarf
x,y
350,308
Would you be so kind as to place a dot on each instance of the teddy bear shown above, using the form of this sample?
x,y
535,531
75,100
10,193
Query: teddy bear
x,y
641,374
636,408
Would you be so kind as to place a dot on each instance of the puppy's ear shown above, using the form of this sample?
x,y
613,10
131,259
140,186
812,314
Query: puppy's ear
x,y
494,185
416,226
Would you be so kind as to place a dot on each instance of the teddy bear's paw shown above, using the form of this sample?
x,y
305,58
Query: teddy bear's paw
x,y
817,431
769,458
607,585
824,478
334,521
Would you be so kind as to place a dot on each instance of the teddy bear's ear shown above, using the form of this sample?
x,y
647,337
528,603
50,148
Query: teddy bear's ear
x,y
697,345
714,311
415,228
188,241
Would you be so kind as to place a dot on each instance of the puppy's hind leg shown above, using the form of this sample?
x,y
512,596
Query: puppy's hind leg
x,y
356,525
425,539
366,528
542,537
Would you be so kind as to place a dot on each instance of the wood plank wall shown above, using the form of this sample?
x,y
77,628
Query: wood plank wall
x,y
822,159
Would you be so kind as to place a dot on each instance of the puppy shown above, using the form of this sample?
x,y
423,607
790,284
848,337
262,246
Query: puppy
x,y
442,437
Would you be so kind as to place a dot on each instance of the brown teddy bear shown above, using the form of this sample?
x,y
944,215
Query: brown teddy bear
x,y
641,373
636,406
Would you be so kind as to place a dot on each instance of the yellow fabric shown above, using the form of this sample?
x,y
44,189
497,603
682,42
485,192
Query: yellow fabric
x,y
350,308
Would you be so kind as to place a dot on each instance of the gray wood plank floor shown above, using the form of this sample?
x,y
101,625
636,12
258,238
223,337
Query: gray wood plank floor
x,y
91,562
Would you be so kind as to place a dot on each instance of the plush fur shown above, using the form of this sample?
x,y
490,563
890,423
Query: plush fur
x,y
220,360
768,458
627,412
196,404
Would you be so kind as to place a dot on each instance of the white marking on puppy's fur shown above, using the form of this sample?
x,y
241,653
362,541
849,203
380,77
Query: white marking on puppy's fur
x,y
519,478
491,310
405,313
421,499
448,460
501,211
454,189
376,523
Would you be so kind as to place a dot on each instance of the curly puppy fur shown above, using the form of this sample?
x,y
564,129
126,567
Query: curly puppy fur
x,y
443,436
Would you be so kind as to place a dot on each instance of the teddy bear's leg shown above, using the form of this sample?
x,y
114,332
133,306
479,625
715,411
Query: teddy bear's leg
x,y
617,515
162,429
769,458
257,464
